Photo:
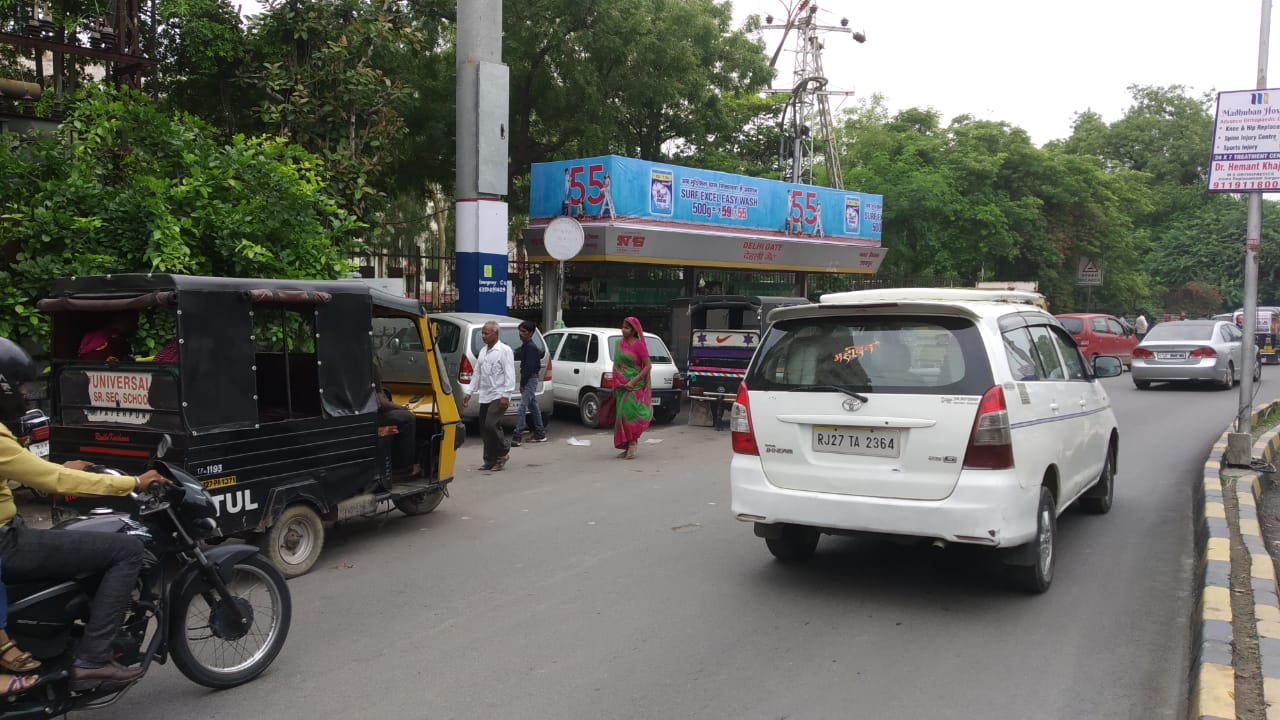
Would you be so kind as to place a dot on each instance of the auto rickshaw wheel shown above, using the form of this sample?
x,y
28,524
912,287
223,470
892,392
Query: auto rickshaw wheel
x,y
420,504
294,542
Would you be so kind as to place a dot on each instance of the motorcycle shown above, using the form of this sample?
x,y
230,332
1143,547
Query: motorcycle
x,y
33,434
222,612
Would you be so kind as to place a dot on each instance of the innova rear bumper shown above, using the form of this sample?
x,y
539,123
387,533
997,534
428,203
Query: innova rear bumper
x,y
987,507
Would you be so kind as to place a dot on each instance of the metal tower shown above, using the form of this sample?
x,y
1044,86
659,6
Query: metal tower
x,y
810,106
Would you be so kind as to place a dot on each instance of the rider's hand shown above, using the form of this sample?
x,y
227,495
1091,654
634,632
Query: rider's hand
x,y
505,402
149,478
77,464
465,400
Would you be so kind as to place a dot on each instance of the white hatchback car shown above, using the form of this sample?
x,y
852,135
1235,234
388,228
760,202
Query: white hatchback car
x,y
962,416
582,367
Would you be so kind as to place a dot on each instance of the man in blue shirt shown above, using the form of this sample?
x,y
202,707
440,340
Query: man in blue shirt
x,y
530,357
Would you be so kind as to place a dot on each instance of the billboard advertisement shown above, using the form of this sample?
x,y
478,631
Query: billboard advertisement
x,y
1246,142
611,188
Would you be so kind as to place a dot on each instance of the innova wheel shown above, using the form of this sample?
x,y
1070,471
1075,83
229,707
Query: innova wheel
x,y
294,542
1099,497
1036,574
795,544
589,409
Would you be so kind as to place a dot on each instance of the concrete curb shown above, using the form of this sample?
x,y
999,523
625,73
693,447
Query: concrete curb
x,y
1213,672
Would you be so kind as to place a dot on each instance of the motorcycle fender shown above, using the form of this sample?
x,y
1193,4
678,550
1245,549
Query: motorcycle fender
x,y
223,557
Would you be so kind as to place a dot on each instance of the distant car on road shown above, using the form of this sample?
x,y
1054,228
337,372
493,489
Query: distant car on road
x,y
458,342
1098,334
583,372
1191,350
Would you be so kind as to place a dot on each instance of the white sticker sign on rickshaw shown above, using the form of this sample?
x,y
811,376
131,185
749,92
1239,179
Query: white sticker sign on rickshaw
x,y
124,397
1246,142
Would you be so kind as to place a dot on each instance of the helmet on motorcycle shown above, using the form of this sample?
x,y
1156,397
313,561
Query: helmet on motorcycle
x,y
16,368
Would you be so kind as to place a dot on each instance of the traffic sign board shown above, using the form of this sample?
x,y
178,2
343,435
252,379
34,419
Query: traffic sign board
x,y
1088,272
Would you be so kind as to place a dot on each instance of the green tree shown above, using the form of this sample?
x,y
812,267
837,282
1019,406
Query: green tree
x,y
202,47
321,67
976,200
123,187
626,77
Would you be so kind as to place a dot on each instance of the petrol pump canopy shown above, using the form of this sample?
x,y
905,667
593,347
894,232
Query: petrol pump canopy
x,y
635,211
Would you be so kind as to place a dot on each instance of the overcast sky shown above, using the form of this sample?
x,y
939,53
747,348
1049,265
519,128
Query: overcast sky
x,y
1031,63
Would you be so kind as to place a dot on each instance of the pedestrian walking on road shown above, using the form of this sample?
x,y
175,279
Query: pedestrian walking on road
x,y
530,357
495,377
1140,326
633,401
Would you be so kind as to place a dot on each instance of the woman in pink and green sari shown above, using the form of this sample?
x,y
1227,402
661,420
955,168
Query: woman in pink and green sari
x,y
633,402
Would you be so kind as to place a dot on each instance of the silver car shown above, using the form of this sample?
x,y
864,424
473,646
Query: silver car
x,y
458,342
1191,350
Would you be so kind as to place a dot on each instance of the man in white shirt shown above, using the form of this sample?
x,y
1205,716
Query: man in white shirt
x,y
1140,326
495,378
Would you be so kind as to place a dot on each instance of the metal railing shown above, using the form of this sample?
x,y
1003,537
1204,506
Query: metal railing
x,y
432,280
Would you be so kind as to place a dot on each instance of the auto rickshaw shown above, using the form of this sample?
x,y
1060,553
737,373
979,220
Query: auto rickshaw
x,y
713,340
1266,330
268,396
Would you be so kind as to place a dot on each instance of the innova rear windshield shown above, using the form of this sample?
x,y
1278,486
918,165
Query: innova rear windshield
x,y
920,355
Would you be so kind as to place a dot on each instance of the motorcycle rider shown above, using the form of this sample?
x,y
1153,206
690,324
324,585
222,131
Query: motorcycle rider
x,y
30,555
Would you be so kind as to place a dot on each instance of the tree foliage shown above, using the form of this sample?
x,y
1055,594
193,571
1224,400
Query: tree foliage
x,y
975,199
628,77
124,187
356,100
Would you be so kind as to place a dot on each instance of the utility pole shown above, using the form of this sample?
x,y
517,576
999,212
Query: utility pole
x,y
1252,244
810,105
482,113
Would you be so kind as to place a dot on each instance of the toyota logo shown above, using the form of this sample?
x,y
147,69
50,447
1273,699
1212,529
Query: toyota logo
x,y
852,404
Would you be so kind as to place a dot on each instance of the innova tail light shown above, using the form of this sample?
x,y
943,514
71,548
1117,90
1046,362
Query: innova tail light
x,y
991,439
744,437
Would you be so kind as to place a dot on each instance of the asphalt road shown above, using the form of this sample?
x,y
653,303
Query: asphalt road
x,y
574,585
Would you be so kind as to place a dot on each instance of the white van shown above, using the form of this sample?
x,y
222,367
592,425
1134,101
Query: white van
x,y
963,416
458,343
582,362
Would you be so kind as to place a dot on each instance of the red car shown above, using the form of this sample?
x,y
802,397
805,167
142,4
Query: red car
x,y
1099,334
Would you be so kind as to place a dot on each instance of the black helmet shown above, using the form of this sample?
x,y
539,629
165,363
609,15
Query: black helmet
x,y
16,367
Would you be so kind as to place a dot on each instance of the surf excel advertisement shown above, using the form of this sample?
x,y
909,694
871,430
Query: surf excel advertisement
x,y
615,188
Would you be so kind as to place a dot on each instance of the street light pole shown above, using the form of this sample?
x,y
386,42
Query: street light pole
x,y
1252,243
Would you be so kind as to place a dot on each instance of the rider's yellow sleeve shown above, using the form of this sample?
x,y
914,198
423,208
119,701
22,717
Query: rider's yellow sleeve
x,y
22,467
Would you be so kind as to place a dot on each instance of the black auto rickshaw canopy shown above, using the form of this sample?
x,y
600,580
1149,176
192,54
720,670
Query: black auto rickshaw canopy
x,y
251,350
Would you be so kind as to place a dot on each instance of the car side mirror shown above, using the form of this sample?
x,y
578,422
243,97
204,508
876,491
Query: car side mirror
x,y
395,346
1106,366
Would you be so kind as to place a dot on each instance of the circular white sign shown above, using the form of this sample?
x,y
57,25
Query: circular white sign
x,y
563,238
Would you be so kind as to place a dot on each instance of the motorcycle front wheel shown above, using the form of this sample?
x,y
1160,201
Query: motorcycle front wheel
x,y
210,646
